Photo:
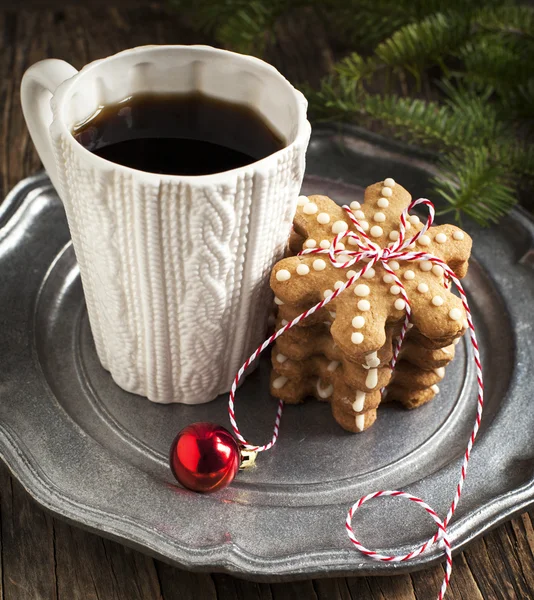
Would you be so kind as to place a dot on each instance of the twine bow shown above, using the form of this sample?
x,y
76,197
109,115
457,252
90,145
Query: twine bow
x,y
372,253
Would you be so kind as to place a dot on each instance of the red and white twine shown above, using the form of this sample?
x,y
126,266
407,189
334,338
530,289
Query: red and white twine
x,y
373,253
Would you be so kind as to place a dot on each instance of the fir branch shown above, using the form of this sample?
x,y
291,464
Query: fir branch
x,y
489,59
425,43
517,157
482,51
243,25
474,184
466,120
517,20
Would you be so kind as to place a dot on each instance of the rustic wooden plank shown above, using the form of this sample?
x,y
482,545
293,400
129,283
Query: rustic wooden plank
x,y
359,588
494,570
91,568
27,545
463,585
298,590
399,587
524,544
501,543
31,45
230,588
332,589
177,584
426,583
301,51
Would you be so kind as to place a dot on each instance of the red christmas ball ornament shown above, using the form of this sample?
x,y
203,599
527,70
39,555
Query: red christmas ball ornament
x,y
205,457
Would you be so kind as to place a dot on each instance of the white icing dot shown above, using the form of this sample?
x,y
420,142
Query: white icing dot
x,y
440,371
279,382
437,300
376,231
388,278
338,284
425,265
382,203
311,243
310,208
458,235
340,246
408,225
334,364
332,313
356,337
324,244
435,389
339,226
343,258
395,289
350,274
379,217
456,341
319,264
360,422
362,290
369,274
364,225
327,293
283,275
423,288
359,214
438,270
400,304
414,219
424,240
358,322
465,324
372,378
277,301
387,191
455,314
394,236
323,218
389,182
409,275
355,205
352,241
359,402
303,269
324,392
364,305
302,200
372,360
284,322
394,265
441,238
411,246
281,358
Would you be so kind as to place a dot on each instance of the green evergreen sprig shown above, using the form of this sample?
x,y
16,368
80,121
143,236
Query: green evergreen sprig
x,y
475,56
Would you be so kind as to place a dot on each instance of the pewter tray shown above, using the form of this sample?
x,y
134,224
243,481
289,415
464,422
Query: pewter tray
x,y
97,456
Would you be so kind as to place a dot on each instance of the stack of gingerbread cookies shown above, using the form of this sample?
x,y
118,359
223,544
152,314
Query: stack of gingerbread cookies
x,y
342,352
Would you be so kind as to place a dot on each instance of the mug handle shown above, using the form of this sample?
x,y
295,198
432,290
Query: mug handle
x,y
37,88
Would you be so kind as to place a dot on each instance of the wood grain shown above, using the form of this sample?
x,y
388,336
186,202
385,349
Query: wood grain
x,y
43,558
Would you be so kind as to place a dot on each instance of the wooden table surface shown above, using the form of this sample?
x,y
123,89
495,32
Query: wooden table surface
x,y
43,557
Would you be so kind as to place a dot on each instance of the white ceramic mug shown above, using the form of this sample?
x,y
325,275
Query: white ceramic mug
x,y
174,269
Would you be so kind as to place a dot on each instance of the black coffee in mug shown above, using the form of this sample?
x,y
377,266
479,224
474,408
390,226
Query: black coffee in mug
x,y
178,134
